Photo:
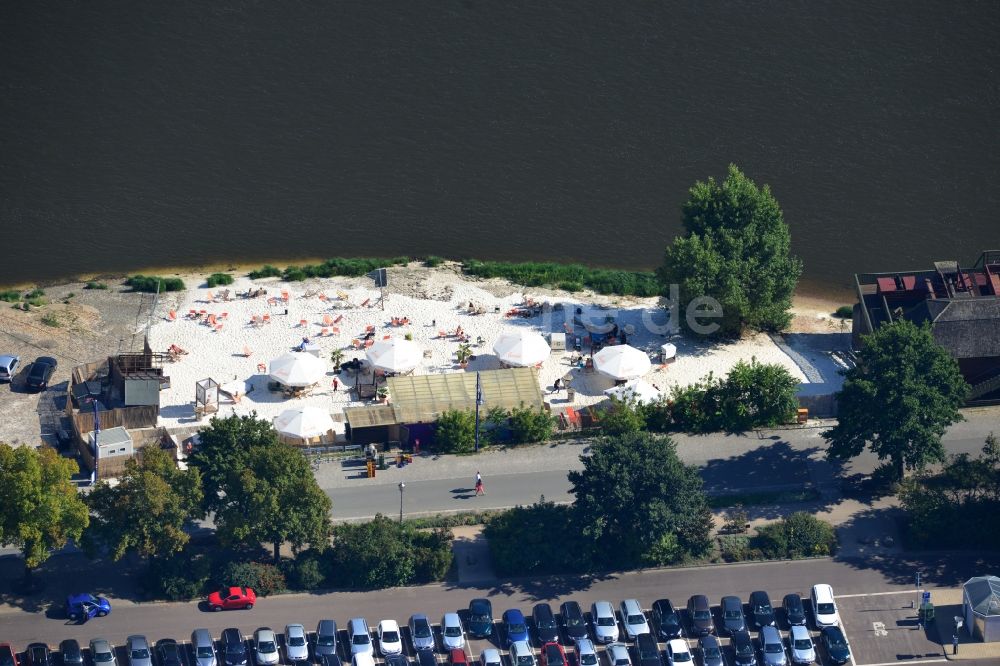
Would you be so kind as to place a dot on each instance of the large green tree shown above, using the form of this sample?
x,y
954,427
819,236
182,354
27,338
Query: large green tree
x,y
898,400
639,503
737,251
146,511
224,446
40,509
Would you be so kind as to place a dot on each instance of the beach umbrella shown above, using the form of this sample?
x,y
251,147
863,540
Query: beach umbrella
x,y
297,370
303,423
638,390
595,320
394,355
523,348
622,362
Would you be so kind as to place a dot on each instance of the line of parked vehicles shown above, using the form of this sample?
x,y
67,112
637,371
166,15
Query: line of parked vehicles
x,y
610,627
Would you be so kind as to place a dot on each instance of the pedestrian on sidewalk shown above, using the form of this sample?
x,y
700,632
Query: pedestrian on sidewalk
x,y
479,484
557,385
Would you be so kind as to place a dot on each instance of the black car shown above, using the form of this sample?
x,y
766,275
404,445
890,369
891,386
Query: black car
x,y
397,660
7,656
647,650
667,619
711,651
71,653
334,660
795,611
426,658
169,652
40,373
37,654
761,610
573,622
480,623
700,615
234,649
731,611
545,624
835,642
743,647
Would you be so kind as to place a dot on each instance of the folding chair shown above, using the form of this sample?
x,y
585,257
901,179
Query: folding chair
x,y
324,331
266,319
327,320
387,337
261,367
247,353
172,315
337,320
303,323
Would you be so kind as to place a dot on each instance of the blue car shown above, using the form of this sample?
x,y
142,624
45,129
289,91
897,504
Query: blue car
x,y
515,627
84,606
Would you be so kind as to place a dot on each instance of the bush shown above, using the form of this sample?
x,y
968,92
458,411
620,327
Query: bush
x,y
264,578
432,555
572,277
34,293
293,274
150,283
624,416
265,272
734,547
35,302
433,261
799,535
571,286
10,295
95,285
177,578
844,312
50,319
530,425
305,572
219,279
455,432
539,539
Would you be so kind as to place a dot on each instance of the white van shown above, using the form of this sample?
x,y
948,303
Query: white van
x,y
359,636
8,367
824,608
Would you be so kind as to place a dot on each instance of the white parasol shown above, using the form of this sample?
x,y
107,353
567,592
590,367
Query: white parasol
x,y
638,390
395,355
297,370
622,362
303,422
522,348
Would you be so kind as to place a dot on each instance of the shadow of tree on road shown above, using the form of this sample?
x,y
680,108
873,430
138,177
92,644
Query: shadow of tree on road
x,y
937,568
66,573
536,590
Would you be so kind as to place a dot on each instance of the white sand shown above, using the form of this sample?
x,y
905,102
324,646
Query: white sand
x,y
442,306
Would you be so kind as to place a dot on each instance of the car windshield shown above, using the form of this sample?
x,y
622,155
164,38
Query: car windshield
x,y
517,629
702,615
549,623
670,619
825,609
682,656
390,637
605,621
296,641
803,644
525,660
712,653
360,639
235,648
142,653
205,652
762,608
836,641
480,617
265,647
574,621
588,659
636,619
421,629
743,647
772,648
732,615
554,657
326,641
452,631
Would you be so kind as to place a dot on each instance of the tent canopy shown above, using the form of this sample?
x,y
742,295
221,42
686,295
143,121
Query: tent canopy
x,y
297,370
304,422
523,348
394,355
622,362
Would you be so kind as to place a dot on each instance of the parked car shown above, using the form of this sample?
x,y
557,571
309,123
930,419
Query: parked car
x,y
515,628
72,655
545,624
761,609
203,648
633,618
8,367
490,657
169,652
330,659
552,654
795,612
616,654
232,598
678,652
836,645
40,372
824,607
102,652
420,632
457,657
363,659
602,615
7,655
452,633
396,660
37,654
83,606
801,645
647,651
772,647
667,619
742,644
265,647
573,622
586,654
359,637
296,645
390,641
711,651
700,615
326,638
137,649
426,658
480,618
233,648
731,610
521,654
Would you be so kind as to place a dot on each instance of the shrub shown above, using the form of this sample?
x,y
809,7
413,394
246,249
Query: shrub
x,y
34,293
530,425
455,432
265,272
572,277
50,319
570,286
844,312
433,261
799,535
150,283
539,539
35,302
734,547
432,555
624,416
10,295
219,279
264,578
305,572
177,578
293,274
95,285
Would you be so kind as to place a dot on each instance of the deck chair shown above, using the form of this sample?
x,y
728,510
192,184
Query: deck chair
x,y
211,320
369,329
356,344
192,314
285,296
324,331
387,337
266,319
335,331
366,302
255,321
224,315
247,352
442,334
327,320
210,296
261,367
217,328
369,343
323,297
343,296
303,323
337,319
172,315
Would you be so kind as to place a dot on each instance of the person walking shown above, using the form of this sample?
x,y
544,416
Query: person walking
x,y
557,385
336,384
479,484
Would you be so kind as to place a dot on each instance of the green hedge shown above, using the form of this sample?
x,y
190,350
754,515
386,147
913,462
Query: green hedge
x,y
543,538
350,267
571,277
219,279
148,283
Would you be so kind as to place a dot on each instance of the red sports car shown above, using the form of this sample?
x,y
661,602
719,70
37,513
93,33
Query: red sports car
x,y
457,657
553,655
233,597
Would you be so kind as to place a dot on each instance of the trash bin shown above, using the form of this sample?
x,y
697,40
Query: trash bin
x,y
570,393
926,613
381,461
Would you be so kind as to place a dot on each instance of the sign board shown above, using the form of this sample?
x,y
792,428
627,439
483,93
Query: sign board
x,y
380,277
925,597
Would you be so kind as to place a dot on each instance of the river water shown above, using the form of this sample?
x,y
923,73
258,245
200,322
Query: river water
x,y
136,134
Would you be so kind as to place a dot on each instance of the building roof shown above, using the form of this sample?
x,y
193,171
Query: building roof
x,y
111,436
968,328
422,398
984,594
370,416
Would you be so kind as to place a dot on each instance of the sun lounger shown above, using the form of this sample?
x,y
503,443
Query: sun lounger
x,y
327,320
262,367
369,343
366,302
387,337
285,296
323,297
210,297
266,319
172,315
369,329
337,319
335,330
217,328
303,323
356,344
247,352
324,331
442,334
343,296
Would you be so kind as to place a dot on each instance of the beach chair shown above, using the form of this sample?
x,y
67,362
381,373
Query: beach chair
x,y
387,337
442,334
366,302
343,296
247,352
192,314
262,367
327,320
266,319
324,331
337,319
335,330
224,315
172,315
255,321
210,297
211,320
285,295
369,343
356,344
369,329
217,328
303,323
323,297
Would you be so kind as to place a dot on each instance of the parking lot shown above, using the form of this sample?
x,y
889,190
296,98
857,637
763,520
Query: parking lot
x,y
882,628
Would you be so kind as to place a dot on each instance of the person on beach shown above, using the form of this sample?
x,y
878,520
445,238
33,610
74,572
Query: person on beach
x,y
557,385
336,384
479,484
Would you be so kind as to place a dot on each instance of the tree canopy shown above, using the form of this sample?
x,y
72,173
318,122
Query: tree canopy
x,y
455,432
899,399
737,251
225,445
147,510
40,509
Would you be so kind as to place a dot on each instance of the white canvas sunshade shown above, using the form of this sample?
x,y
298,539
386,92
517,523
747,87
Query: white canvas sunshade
x,y
304,422
297,370
395,355
522,348
622,362
638,390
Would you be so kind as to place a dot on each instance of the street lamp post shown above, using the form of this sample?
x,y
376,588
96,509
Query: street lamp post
x,y
401,487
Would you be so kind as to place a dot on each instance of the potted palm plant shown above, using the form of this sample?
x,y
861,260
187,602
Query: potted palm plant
x,y
337,357
382,393
464,354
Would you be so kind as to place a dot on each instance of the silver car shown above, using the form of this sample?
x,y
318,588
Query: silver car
x,y
265,647
490,657
203,647
452,633
634,618
602,614
420,632
138,651
102,652
772,647
326,638
521,654
586,655
616,654
801,643
296,646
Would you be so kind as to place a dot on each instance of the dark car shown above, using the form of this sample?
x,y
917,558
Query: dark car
x,y
426,658
326,638
835,642
331,659
731,611
743,647
40,373
711,651
700,615
795,610
647,651
515,627
667,619
396,660
480,624
234,649
545,623
573,622
7,655
761,610
71,653
169,652
37,654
